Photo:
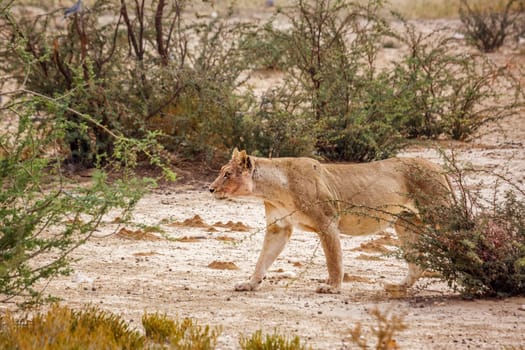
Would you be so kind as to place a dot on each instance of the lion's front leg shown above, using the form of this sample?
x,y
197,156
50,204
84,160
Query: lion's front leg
x,y
277,235
331,244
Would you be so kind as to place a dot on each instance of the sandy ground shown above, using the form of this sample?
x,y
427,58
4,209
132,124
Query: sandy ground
x,y
130,277
190,271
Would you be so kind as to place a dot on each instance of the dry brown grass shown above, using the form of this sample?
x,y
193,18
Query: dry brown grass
x,y
412,9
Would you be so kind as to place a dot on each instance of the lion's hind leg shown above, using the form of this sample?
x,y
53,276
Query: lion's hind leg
x,y
331,243
406,227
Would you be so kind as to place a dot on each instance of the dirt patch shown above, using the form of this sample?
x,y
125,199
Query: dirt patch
x,y
352,278
226,239
190,239
223,265
233,226
368,257
372,247
150,253
136,235
195,221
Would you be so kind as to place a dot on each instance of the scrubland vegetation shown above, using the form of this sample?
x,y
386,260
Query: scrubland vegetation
x,y
121,84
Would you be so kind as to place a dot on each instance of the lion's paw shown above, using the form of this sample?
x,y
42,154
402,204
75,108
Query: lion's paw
x,y
396,290
328,289
246,287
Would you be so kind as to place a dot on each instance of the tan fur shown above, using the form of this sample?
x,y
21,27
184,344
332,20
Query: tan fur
x,y
330,199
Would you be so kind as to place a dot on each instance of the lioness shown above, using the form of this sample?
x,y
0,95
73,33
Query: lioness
x,y
329,199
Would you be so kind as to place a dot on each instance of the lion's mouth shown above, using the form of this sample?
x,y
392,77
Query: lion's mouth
x,y
220,195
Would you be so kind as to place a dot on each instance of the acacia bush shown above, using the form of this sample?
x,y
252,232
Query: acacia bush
x,y
45,215
330,53
487,27
263,49
279,126
474,241
135,67
443,91
356,111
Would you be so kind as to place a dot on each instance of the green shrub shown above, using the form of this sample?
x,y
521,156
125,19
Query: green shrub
x,y
371,129
134,74
270,342
279,127
44,215
183,334
477,245
150,68
91,328
63,328
441,91
336,98
76,63
333,78
265,48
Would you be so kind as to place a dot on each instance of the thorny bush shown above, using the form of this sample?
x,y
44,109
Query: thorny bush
x,y
476,239
45,215
138,66
135,66
487,27
335,97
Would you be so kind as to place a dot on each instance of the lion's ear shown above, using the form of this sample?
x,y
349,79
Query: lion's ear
x,y
235,154
243,157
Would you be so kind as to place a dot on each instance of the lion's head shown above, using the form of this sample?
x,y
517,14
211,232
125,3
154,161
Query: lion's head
x,y
235,178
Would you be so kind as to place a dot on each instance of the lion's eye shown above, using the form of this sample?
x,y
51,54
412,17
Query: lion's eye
x,y
227,175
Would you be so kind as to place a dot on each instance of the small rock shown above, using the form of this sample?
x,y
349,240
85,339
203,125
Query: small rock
x,y
81,278
288,274
522,307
